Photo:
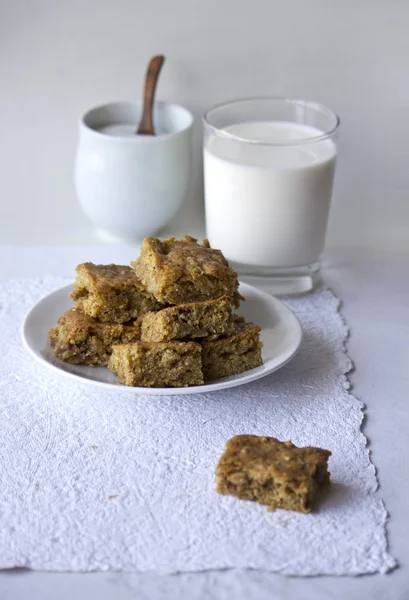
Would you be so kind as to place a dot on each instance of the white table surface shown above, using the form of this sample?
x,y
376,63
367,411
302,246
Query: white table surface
x,y
374,287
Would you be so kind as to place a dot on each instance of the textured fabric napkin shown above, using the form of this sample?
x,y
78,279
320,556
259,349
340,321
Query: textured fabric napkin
x,y
94,481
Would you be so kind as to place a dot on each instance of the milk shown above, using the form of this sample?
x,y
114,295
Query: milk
x,y
126,130
267,205
120,130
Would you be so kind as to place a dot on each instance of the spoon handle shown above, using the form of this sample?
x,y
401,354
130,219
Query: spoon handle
x,y
151,80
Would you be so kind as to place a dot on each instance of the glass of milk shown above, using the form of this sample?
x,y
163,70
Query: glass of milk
x,y
268,169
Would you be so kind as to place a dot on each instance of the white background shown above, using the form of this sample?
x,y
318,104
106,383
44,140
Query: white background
x,y
59,58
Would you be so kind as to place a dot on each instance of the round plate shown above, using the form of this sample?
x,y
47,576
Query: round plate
x,y
281,335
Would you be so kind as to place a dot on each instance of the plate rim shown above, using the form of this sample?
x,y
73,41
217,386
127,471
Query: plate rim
x,y
179,391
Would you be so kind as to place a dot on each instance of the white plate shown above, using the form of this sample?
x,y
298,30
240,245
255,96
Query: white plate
x,y
281,335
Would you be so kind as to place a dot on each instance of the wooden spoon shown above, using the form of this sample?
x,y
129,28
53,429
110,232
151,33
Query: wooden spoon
x,y
151,80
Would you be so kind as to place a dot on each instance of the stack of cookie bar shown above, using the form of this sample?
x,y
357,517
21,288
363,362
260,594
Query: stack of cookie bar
x,y
167,321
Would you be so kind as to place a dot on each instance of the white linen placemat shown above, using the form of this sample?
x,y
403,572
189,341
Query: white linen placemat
x,y
94,480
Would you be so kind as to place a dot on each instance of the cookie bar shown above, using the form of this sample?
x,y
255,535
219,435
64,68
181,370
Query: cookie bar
x,y
278,474
181,271
211,318
162,364
111,293
233,354
80,339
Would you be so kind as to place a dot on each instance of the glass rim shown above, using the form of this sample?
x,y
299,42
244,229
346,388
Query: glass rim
x,y
293,101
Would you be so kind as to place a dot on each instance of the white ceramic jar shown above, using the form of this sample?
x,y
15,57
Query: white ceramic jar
x,y
131,185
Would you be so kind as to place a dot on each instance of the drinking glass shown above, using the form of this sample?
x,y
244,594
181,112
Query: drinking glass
x,y
269,167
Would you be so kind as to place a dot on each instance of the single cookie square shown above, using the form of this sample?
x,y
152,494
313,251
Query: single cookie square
x,y
181,271
234,354
208,319
162,364
111,293
80,339
278,474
